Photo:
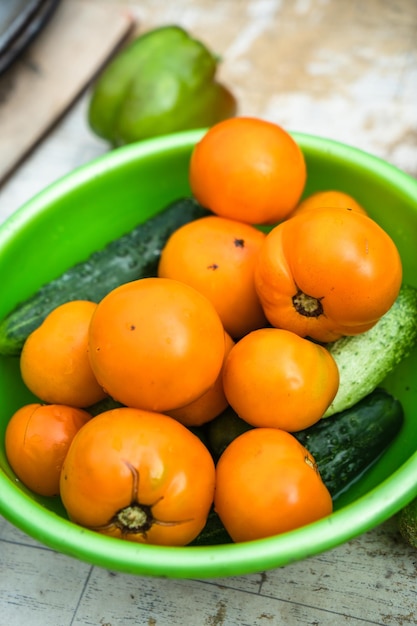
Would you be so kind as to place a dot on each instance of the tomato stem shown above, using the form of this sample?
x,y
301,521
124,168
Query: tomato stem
x,y
307,305
135,518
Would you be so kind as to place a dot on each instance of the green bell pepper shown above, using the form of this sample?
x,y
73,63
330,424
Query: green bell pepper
x,y
163,82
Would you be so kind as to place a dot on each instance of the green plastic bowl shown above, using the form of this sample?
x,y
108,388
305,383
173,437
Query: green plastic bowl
x,y
107,197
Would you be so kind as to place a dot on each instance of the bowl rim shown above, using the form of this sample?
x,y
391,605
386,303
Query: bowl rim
x,y
342,525
211,561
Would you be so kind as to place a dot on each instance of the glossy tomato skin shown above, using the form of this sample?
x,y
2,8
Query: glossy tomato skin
x,y
274,378
327,273
139,476
54,361
248,169
217,257
209,405
156,344
37,439
267,483
332,198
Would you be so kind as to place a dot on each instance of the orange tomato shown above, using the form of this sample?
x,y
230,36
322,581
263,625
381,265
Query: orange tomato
x,y
37,439
248,169
54,361
274,378
139,476
217,257
208,406
156,344
327,273
267,483
332,198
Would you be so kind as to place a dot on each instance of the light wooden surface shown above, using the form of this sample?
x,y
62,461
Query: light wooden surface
x,y
37,92
339,68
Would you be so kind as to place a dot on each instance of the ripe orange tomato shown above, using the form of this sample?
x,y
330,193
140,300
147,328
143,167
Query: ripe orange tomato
x,y
156,344
332,198
267,483
208,406
274,378
54,360
37,439
140,476
327,273
217,257
248,169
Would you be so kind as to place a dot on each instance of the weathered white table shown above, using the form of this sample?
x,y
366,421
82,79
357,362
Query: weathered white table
x,y
343,69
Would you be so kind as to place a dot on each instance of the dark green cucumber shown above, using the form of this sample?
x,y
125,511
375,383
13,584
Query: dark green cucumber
x,y
213,533
131,256
223,429
407,523
343,446
106,404
347,444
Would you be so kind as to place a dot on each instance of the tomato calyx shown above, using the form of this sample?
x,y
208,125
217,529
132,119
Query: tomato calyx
x,y
134,518
307,305
137,518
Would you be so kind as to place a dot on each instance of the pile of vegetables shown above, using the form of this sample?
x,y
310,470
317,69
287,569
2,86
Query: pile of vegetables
x,y
214,374
226,389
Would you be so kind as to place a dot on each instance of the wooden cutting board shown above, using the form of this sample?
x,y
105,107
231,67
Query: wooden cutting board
x,y
43,83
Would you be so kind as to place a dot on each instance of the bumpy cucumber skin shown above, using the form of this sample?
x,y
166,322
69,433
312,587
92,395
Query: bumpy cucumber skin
x,y
364,360
343,447
131,256
407,523
346,445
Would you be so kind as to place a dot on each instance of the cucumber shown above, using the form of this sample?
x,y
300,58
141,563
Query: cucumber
x,y
365,360
345,446
213,533
223,429
106,404
131,256
407,523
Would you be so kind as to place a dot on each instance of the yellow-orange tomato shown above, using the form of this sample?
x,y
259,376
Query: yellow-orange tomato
x,y
37,439
332,198
267,483
139,476
274,378
208,406
327,273
156,344
54,360
217,257
248,169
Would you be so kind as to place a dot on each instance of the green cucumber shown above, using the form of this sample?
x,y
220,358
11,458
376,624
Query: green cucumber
x,y
407,523
131,256
223,429
365,360
106,404
345,446
213,533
